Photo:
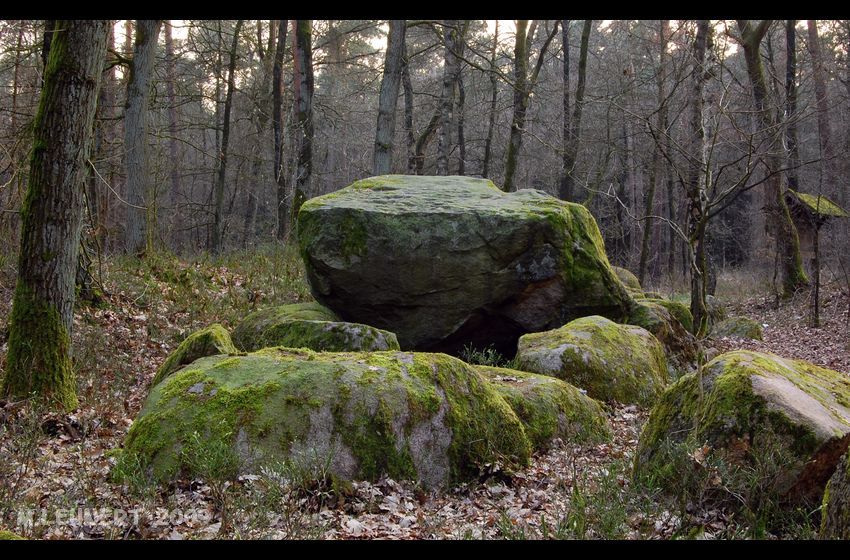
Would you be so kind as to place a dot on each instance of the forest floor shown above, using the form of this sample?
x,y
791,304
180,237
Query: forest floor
x,y
55,468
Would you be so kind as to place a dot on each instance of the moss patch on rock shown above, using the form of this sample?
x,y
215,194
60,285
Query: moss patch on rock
x,y
324,336
424,417
208,341
774,428
612,362
629,280
678,309
10,536
549,408
253,326
680,345
738,327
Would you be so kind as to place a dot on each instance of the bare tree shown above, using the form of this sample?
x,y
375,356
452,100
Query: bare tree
x,y
385,129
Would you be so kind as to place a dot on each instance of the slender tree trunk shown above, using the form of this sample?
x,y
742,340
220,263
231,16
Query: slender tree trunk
x,y
141,215
39,353
661,127
520,103
828,161
461,137
277,109
385,129
572,127
304,102
695,187
451,71
422,143
494,93
174,164
779,218
793,151
408,115
218,227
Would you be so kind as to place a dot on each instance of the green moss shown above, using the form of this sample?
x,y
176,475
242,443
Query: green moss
x,y
325,336
612,362
208,341
627,278
819,204
426,417
738,327
255,324
722,412
679,310
10,536
38,361
549,408
680,345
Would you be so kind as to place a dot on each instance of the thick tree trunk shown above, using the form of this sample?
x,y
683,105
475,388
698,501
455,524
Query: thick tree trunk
x,y
141,215
451,71
779,218
218,226
385,129
277,128
39,355
303,62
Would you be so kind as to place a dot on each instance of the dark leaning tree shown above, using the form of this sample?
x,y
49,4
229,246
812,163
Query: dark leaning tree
x,y
39,356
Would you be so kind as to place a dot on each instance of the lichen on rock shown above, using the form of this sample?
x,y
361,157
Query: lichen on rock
x,y
424,417
550,408
777,427
612,362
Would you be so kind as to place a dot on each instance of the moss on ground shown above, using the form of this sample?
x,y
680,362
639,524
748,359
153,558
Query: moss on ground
x,y
208,341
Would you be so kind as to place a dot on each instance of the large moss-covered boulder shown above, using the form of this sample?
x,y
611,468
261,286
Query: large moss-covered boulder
x,y
835,508
753,424
208,341
716,309
549,408
445,262
680,345
679,310
429,418
612,362
738,327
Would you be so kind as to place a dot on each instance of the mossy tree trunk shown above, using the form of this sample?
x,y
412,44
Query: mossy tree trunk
x,y
39,356
390,83
779,218
141,214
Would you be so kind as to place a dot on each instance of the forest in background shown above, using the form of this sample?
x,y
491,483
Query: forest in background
x,y
596,112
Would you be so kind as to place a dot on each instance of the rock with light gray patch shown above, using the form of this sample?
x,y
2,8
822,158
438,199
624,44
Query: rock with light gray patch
x,y
446,262
429,418
612,362
778,426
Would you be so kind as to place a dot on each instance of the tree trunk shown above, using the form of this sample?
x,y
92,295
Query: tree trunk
x,y
572,130
141,215
39,353
695,187
461,137
779,218
174,163
792,150
520,103
657,159
385,129
218,226
422,143
828,161
277,128
408,115
451,71
303,62
494,92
